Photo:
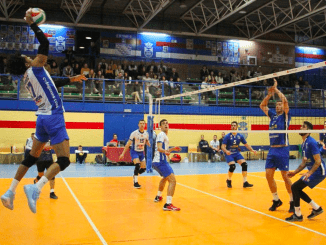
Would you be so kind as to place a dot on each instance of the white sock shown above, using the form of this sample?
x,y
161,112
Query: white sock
x,y
159,193
291,197
275,196
229,178
314,205
52,190
169,199
135,178
244,179
297,211
41,183
14,185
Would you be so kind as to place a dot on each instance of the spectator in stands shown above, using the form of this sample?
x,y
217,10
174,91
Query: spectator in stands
x,y
135,88
258,73
69,54
220,79
80,155
55,71
215,145
133,69
103,65
155,88
301,82
251,72
204,72
161,73
29,144
152,67
306,90
82,61
297,93
90,81
119,70
68,71
162,66
174,74
63,65
93,53
77,69
115,139
84,70
109,73
99,68
211,76
140,67
125,66
142,73
113,65
204,147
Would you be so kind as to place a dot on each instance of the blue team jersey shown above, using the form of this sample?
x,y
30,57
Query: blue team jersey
x,y
322,137
278,122
43,91
309,149
232,142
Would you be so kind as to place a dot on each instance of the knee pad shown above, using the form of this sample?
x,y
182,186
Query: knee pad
x,y
232,168
137,168
244,166
29,161
63,162
142,170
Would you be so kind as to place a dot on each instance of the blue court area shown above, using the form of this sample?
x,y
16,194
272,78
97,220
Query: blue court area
x,y
98,170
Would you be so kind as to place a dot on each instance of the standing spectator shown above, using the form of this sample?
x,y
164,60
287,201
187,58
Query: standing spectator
x,y
204,72
80,155
84,70
215,145
204,147
29,145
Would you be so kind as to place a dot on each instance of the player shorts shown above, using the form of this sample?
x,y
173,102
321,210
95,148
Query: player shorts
x,y
137,154
163,168
278,158
315,178
51,127
27,151
233,157
42,165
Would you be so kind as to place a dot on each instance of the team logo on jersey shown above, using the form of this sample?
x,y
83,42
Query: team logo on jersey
x,y
60,44
148,50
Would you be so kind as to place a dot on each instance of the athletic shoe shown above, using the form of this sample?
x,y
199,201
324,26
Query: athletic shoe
x,y
291,210
314,213
158,199
246,184
275,205
8,199
228,182
32,194
294,218
137,185
170,207
53,195
209,161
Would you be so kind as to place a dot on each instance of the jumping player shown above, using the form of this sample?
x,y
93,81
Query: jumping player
x,y
230,147
316,174
50,123
161,165
137,139
278,155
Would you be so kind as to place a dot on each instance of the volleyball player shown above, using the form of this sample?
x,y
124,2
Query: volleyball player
x,y
137,140
50,123
316,174
161,165
230,147
278,155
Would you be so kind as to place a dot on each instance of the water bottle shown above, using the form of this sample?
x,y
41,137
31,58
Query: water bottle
x,y
186,160
119,144
259,154
195,157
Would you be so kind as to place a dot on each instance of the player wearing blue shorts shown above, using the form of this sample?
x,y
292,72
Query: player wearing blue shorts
x,y
137,141
230,147
161,165
316,174
278,155
50,123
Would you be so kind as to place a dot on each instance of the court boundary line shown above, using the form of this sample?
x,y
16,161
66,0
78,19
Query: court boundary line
x,y
321,188
253,210
85,213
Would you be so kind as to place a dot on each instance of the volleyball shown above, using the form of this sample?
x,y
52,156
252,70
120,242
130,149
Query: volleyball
x,y
38,15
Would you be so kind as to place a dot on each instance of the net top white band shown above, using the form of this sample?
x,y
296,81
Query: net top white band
x,y
257,131
251,80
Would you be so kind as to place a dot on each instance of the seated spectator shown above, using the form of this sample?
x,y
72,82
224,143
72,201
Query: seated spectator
x,y
155,88
68,71
98,83
174,74
211,76
113,65
161,73
119,70
142,73
215,145
220,79
162,66
141,68
99,68
63,65
103,65
82,61
115,140
55,71
109,73
77,69
90,81
204,72
80,155
84,70
152,67
133,70
306,90
204,147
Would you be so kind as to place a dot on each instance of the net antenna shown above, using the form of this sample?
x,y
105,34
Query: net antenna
x,y
150,130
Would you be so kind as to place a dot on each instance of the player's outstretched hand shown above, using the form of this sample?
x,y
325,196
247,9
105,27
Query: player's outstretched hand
x,y
290,174
121,156
177,148
228,153
275,83
167,153
78,78
28,17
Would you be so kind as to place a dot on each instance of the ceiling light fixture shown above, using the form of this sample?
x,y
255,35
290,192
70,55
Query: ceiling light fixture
x,y
81,47
242,12
182,4
88,37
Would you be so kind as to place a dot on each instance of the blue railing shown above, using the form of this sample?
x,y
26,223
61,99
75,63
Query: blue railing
x,y
136,91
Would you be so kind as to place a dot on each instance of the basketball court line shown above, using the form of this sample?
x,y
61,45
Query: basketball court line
x,y
253,210
321,188
85,213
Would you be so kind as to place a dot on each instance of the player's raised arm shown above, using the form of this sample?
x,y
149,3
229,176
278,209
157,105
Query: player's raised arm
x,y
43,50
282,97
264,103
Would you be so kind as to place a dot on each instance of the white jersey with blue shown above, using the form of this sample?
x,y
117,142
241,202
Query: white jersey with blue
x,y
159,156
41,87
309,149
138,140
232,142
278,122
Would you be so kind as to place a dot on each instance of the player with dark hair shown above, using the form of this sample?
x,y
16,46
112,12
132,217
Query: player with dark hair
x,y
316,174
161,165
230,147
50,123
137,141
278,155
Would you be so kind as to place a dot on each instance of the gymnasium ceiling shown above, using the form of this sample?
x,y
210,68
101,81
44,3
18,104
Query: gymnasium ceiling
x,y
298,22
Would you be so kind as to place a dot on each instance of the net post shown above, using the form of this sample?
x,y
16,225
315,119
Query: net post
x,y
149,152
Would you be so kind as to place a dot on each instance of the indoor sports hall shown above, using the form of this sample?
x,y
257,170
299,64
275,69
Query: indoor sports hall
x,y
224,87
